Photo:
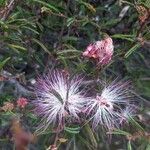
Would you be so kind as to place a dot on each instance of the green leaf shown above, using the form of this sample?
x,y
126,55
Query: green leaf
x,y
88,145
18,47
68,51
121,132
70,21
69,38
50,6
2,2
44,132
136,124
2,24
87,5
124,37
131,50
42,45
91,135
74,130
110,23
32,116
129,146
148,147
26,27
4,62
147,4
63,61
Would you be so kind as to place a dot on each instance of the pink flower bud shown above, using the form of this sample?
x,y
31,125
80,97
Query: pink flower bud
x,y
22,102
101,51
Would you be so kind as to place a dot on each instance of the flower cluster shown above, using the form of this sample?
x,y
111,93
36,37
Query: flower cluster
x,y
60,97
10,106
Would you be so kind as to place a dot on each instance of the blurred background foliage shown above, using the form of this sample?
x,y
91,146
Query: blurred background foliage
x,y
37,35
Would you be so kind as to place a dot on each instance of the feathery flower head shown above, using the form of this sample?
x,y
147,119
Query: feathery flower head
x,y
127,113
58,97
105,108
101,51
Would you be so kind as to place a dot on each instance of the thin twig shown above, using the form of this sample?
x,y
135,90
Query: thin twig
x,y
5,12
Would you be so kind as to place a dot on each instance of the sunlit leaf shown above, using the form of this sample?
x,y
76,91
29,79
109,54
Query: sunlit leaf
x,y
129,145
18,47
74,130
2,63
42,46
119,132
47,5
131,50
89,6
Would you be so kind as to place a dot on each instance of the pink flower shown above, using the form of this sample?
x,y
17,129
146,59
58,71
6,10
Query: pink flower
x,y
101,51
58,98
22,102
106,108
127,113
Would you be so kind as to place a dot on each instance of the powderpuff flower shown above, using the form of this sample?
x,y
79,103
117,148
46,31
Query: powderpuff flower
x,y
22,102
105,108
58,98
127,113
101,51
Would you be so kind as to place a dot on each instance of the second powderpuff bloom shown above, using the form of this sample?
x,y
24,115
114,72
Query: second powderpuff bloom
x,y
101,51
127,113
106,108
58,98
